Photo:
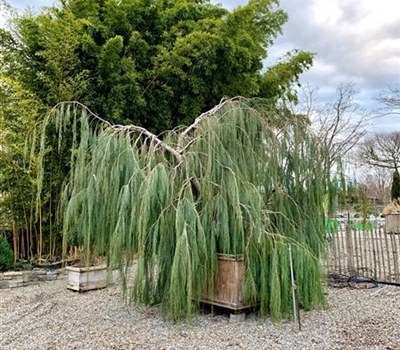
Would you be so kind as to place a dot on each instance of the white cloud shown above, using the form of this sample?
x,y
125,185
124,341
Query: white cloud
x,y
326,13
360,38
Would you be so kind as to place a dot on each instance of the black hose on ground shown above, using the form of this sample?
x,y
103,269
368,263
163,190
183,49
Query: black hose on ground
x,y
357,280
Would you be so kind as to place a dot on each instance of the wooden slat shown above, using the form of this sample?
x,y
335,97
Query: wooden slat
x,y
376,249
228,284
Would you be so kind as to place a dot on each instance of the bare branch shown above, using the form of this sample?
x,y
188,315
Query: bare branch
x,y
155,140
390,98
177,151
382,150
207,114
377,182
339,125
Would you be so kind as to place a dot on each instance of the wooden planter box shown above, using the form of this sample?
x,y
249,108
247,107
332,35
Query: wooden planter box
x,y
228,284
82,279
392,223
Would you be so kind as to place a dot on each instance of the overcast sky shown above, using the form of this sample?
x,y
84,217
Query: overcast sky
x,y
354,41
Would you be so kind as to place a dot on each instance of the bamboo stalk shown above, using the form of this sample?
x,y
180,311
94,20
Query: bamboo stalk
x,y
31,234
15,239
51,235
14,229
24,232
23,244
40,250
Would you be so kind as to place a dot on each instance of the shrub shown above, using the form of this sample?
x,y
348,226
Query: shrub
x,y
395,190
6,255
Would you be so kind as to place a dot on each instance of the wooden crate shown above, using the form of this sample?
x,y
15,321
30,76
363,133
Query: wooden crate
x,y
392,223
228,284
82,279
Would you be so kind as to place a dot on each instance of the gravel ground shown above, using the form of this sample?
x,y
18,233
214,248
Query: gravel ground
x,y
49,316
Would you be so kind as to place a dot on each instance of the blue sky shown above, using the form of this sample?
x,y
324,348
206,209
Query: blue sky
x,y
355,41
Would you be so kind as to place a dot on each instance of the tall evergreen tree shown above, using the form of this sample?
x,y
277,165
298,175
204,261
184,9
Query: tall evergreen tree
x,y
395,190
152,63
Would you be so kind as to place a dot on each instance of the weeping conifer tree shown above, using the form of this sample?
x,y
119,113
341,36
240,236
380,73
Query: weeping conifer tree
x,y
233,182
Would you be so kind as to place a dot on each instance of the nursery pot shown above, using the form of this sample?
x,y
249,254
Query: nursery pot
x,y
82,279
228,284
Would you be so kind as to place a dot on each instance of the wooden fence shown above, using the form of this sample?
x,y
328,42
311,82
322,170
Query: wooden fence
x,y
366,250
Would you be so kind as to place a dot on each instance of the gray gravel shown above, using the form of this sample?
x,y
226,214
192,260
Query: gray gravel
x,y
51,317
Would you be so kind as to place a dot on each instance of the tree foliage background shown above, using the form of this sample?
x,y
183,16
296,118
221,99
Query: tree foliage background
x,y
153,63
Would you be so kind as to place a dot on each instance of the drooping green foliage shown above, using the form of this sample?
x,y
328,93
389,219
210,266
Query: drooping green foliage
x,y
153,63
231,183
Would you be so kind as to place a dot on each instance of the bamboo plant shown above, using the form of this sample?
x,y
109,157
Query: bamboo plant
x,y
235,182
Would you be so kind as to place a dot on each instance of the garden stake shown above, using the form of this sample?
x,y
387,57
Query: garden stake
x,y
293,284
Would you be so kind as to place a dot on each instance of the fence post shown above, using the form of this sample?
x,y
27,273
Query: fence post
x,y
349,245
